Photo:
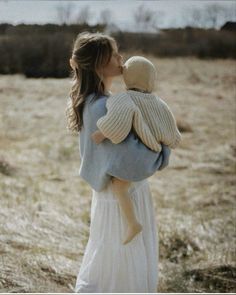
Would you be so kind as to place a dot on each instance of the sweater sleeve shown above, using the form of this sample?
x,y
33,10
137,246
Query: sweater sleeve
x,y
144,132
117,122
171,135
130,160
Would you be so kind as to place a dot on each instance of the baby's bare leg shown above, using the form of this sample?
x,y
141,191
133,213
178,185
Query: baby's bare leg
x,y
120,188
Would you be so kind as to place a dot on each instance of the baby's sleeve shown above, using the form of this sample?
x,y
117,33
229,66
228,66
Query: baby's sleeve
x,y
117,122
144,132
171,135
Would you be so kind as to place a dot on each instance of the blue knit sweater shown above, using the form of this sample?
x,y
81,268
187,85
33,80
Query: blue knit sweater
x,y
130,160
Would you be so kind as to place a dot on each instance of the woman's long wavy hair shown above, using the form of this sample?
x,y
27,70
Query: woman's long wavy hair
x,y
91,51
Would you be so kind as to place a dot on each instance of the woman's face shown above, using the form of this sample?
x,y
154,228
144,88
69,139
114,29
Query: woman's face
x,y
114,67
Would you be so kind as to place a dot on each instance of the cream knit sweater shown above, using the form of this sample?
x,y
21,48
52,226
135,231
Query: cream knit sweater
x,y
148,114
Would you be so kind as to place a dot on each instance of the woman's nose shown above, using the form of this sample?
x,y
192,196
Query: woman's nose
x,y
120,58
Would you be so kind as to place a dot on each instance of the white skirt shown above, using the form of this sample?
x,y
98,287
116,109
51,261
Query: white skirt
x,y
108,266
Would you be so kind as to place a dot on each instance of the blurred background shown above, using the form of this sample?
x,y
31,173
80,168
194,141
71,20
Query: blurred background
x,y
45,206
203,29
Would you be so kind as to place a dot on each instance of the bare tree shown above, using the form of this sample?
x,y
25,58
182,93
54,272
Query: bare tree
x,y
194,17
83,15
105,16
215,14
230,12
212,16
65,13
147,19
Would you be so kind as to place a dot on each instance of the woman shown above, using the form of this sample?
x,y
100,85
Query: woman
x,y
109,266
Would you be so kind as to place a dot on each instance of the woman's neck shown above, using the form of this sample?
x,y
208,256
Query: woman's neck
x,y
107,83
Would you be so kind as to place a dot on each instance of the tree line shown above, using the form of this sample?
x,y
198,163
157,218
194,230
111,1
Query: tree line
x,y
146,19
44,50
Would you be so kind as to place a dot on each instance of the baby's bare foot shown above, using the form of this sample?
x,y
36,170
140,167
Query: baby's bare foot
x,y
132,232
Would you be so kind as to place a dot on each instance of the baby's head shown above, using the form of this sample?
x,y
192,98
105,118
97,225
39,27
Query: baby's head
x,y
139,73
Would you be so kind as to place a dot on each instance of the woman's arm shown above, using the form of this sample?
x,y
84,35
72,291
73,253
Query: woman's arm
x,y
129,160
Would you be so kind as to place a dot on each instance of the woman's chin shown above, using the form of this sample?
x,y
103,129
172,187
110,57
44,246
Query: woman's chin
x,y
119,71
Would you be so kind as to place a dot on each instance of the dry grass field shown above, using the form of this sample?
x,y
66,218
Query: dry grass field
x,y
45,206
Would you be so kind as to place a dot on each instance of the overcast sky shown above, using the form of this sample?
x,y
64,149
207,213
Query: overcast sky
x,y
34,11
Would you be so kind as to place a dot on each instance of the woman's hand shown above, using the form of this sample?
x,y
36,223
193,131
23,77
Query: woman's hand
x,y
98,137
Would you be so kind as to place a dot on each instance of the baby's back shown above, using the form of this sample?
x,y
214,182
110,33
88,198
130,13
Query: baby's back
x,y
157,115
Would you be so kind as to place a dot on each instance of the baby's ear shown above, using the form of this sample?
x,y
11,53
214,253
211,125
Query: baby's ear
x,y
73,64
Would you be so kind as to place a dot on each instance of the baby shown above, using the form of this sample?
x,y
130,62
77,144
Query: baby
x,y
148,115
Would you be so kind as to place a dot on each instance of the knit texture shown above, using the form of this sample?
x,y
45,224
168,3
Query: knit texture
x,y
149,115
130,160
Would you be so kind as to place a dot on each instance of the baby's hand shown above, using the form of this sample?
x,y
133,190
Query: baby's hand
x,y
97,136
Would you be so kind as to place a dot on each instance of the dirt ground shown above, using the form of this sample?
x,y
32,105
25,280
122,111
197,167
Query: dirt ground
x,y
45,206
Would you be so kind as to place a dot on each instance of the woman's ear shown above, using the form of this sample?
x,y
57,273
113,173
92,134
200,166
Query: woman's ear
x,y
73,64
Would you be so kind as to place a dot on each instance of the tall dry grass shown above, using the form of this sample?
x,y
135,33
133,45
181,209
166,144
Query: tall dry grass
x,y
45,206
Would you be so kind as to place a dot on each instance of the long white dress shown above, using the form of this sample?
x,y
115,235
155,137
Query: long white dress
x,y
108,266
